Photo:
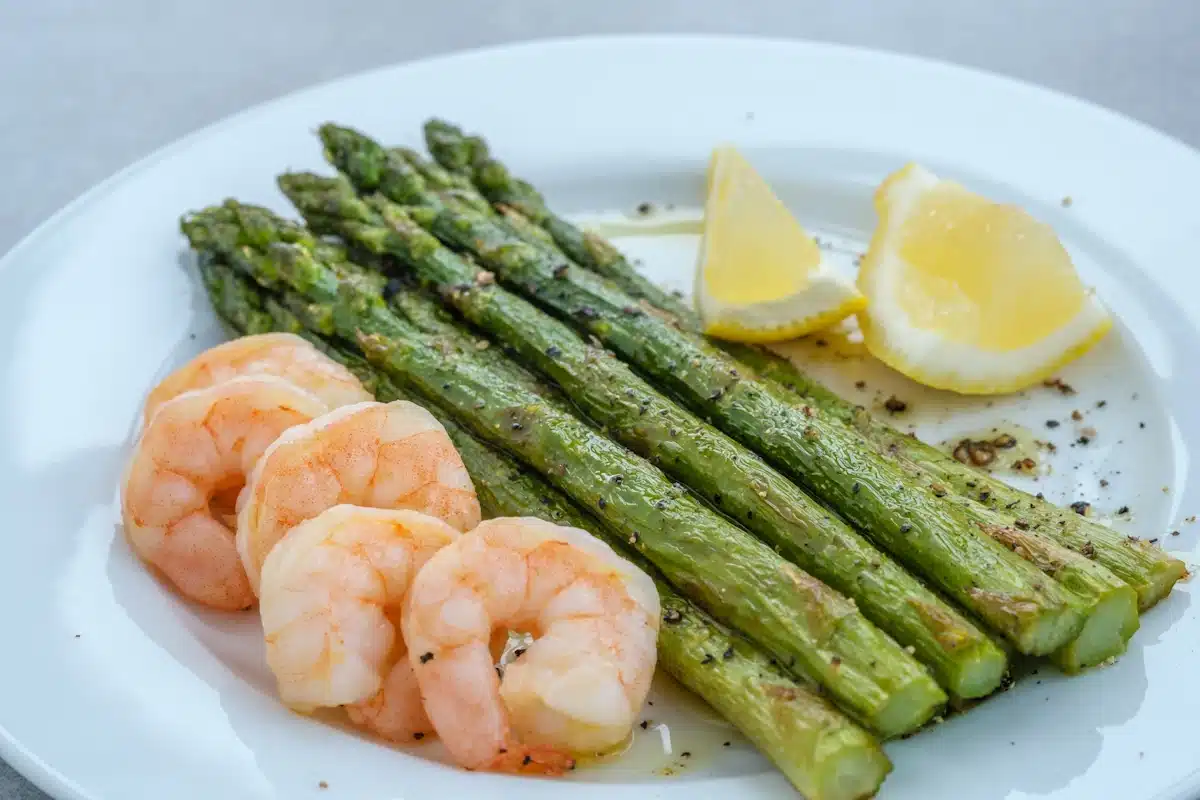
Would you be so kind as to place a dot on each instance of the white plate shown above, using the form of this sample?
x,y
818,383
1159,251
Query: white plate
x,y
110,687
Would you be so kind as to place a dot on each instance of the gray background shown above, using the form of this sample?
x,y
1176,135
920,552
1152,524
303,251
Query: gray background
x,y
88,86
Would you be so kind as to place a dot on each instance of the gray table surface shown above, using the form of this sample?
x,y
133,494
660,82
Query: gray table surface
x,y
89,86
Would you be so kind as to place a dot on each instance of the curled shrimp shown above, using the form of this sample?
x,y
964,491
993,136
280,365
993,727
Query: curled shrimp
x,y
198,448
284,355
331,595
393,455
576,689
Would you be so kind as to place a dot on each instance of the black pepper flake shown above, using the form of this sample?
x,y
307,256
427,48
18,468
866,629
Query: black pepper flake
x,y
587,312
1007,681
516,426
1174,533
728,654
985,496
1083,440
644,208
905,528
617,479
1021,524
895,405
561,270
1013,504
672,433
426,658
856,487
685,754
1052,423
1103,483
520,651
1123,510
1101,404
716,395
708,659
526,761
860,385
727,744
418,736
672,616
602,503
446,386
644,724
660,504
1141,425
554,351
1057,383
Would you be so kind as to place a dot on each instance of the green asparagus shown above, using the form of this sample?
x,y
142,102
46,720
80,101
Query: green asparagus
x,y
822,753
1150,571
732,478
967,551
803,623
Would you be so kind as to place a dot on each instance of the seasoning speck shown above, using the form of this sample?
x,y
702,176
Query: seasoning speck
x,y
708,659
895,405
1088,550
554,351
602,503
516,426
672,615
860,385
728,654
561,270
1062,387
644,724
644,209
905,528
426,658
1123,510
323,785
1052,423
685,754
418,736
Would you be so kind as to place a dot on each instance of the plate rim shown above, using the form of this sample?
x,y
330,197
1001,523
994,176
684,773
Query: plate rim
x,y
50,779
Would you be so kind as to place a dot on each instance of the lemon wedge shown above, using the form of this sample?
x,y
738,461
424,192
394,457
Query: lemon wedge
x,y
760,276
970,295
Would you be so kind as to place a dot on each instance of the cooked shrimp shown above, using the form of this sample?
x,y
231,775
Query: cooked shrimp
x,y
197,448
576,689
284,355
368,454
331,595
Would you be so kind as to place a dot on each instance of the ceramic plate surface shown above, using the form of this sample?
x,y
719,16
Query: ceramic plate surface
x,y
110,687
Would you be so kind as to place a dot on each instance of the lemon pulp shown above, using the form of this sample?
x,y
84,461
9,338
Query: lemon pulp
x,y
970,257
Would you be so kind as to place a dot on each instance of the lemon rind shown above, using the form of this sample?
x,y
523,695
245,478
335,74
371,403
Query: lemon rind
x,y
826,300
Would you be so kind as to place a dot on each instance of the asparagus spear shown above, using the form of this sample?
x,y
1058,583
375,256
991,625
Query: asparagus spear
x,y
469,155
732,478
1002,588
804,624
822,753
1151,572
